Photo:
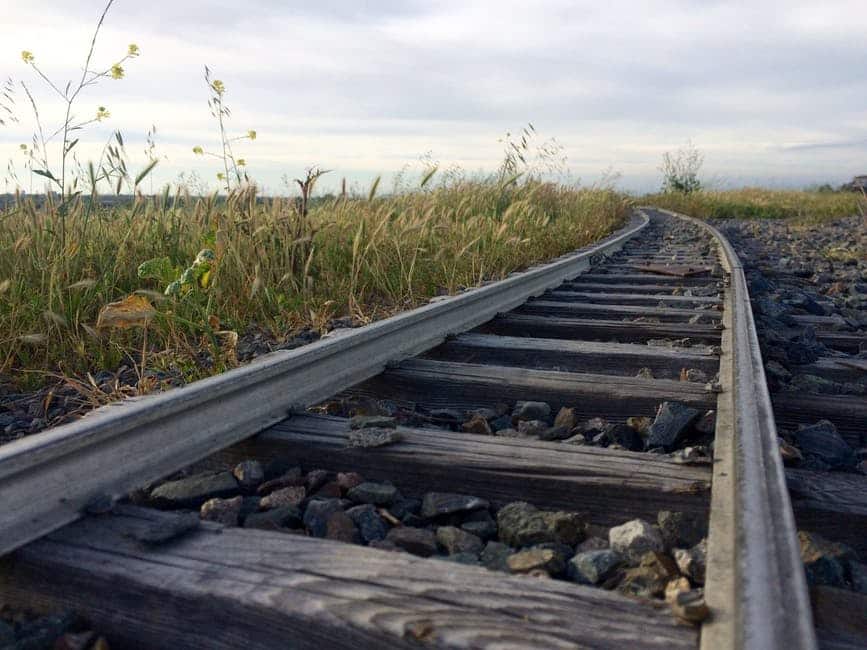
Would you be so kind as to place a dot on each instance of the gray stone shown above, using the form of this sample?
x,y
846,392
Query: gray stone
x,y
454,540
436,504
372,422
378,494
370,524
681,529
692,562
671,425
522,524
495,556
821,441
288,496
531,411
283,517
223,511
193,491
348,480
481,524
317,514
592,567
315,479
418,541
635,538
249,473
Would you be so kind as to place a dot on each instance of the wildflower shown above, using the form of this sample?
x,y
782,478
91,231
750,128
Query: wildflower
x,y
102,113
132,50
241,162
218,86
23,147
117,71
198,150
26,56
221,176
251,134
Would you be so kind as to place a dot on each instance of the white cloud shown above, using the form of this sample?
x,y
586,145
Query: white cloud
x,y
364,88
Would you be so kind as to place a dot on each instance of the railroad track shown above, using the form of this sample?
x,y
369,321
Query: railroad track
x,y
559,423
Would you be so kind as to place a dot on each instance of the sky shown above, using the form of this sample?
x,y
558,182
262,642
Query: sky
x,y
773,93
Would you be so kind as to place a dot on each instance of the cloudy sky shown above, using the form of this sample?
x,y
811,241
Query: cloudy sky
x,y
771,92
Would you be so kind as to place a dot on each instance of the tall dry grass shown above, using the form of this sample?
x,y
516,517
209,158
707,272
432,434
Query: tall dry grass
x,y
757,203
275,266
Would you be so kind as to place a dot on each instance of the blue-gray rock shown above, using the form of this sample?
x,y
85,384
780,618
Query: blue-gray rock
x,y
593,567
379,494
462,558
821,441
481,524
671,425
495,556
317,514
193,491
370,524
500,423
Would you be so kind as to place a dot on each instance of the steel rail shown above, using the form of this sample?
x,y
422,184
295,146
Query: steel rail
x,y
47,480
755,585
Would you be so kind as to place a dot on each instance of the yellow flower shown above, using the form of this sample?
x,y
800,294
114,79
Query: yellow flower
x,y
198,150
23,147
102,113
218,86
251,134
241,162
221,176
132,50
117,71
26,56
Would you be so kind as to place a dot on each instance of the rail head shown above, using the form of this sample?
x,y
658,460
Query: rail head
x,y
48,479
756,586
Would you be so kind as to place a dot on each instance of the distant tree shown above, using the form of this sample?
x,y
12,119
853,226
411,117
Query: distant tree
x,y
680,169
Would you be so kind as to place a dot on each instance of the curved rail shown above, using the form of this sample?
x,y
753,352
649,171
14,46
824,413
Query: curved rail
x,y
756,587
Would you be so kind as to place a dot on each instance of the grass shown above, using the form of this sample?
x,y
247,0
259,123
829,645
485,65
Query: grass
x,y
275,267
757,203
